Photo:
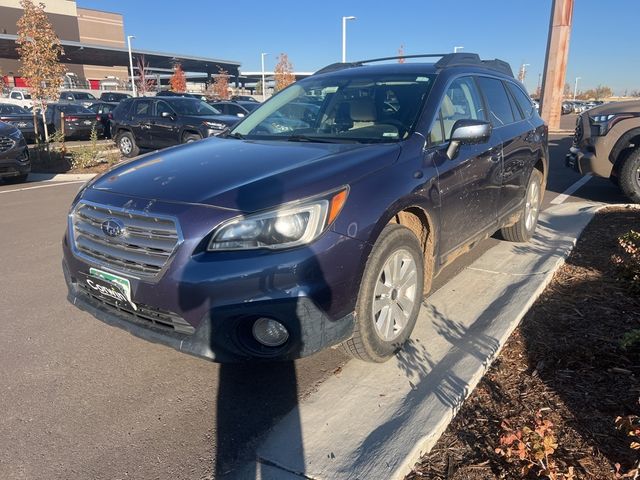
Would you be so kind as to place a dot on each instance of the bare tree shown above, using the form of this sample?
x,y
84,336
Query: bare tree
x,y
283,72
40,50
144,84
221,84
602,91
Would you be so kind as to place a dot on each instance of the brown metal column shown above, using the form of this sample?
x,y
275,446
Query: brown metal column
x,y
555,64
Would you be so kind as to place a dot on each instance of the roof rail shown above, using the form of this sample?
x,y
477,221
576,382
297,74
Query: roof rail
x,y
446,60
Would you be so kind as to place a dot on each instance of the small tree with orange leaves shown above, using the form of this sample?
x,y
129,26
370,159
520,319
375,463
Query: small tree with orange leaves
x,y
178,80
221,84
283,72
40,50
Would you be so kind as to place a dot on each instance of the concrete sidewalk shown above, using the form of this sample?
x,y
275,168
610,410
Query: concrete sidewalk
x,y
375,421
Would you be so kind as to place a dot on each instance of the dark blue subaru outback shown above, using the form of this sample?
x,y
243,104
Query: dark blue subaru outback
x,y
320,219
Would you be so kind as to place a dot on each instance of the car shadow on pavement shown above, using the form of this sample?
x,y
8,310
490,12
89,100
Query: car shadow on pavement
x,y
253,395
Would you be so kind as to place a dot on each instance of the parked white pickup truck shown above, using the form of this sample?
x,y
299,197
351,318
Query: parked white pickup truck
x,y
18,97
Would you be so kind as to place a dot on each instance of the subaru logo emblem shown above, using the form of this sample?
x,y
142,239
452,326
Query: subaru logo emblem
x,y
113,227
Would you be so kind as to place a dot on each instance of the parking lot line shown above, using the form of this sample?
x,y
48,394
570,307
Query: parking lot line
x,y
569,191
57,184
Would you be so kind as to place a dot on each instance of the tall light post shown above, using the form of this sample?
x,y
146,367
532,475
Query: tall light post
x,y
575,88
133,83
344,37
455,49
264,86
523,72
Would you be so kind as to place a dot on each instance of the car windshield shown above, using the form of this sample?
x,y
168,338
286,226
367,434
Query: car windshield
x,y
6,109
365,108
192,106
26,96
250,106
73,109
83,96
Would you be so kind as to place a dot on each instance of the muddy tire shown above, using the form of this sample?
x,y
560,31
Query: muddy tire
x,y
390,296
629,176
524,228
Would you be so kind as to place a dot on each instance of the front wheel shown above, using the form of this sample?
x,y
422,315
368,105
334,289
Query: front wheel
x,y
390,296
524,228
629,177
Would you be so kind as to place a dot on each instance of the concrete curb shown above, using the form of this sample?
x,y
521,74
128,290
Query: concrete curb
x,y
561,132
60,177
376,421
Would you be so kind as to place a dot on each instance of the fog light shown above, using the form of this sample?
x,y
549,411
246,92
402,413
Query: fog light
x,y
269,332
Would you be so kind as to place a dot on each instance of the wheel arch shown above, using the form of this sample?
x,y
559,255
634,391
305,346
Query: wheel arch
x,y
619,150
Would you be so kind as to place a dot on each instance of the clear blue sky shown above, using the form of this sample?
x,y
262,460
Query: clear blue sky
x,y
604,48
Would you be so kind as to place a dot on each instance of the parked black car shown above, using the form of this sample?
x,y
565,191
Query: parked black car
x,y
113,96
78,121
263,245
153,123
79,98
22,119
244,98
239,109
103,115
14,155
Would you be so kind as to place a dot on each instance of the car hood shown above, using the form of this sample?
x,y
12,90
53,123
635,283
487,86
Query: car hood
x,y
616,107
245,175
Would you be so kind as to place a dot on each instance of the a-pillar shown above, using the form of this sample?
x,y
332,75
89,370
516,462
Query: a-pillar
x,y
555,65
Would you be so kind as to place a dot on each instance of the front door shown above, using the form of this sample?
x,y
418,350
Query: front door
x,y
164,129
469,184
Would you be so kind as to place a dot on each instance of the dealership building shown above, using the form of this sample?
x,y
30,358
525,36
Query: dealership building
x,y
95,49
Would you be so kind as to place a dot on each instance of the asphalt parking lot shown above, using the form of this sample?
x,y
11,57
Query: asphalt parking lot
x,y
85,400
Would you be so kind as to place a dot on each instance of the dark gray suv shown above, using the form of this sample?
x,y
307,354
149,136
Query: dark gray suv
x,y
14,154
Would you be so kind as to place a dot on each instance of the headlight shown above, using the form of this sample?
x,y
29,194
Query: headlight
x,y
602,118
604,123
289,225
215,125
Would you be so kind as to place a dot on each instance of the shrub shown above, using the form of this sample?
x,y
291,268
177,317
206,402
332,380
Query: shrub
x,y
628,260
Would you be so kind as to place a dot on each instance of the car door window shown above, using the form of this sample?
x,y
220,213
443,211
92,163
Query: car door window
x,y
15,95
142,108
162,107
522,99
500,112
436,136
461,102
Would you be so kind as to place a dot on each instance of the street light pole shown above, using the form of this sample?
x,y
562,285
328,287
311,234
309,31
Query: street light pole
x,y
133,83
455,49
344,37
575,88
264,86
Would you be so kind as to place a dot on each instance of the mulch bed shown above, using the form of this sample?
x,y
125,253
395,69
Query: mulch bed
x,y
564,361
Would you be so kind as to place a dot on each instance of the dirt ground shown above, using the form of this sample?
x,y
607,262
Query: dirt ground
x,y
566,362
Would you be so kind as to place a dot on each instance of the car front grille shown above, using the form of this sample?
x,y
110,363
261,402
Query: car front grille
x,y
158,317
142,247
6,143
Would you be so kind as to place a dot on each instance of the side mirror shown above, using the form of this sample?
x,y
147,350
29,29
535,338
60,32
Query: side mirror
x,y
468,132
167,115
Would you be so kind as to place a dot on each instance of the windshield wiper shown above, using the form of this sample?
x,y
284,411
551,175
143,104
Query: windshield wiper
x,y
307,138
239,136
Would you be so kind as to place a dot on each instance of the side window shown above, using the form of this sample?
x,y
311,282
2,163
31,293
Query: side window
x,y
15,95
142,108
522,99
161,107
461,102
517,114
235,110
435,136
498,102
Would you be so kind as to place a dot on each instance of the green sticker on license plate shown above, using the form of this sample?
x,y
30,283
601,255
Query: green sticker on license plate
x,y
121,282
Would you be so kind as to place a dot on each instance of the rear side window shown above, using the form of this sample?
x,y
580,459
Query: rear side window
x,y
142,107
123,108
522,99
461,102
500,113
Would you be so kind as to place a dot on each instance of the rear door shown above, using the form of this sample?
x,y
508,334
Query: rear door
x,y
469,184
514,131
141,117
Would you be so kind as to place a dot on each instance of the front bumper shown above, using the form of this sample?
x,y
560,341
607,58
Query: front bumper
x,y
588,163
15,162
217,297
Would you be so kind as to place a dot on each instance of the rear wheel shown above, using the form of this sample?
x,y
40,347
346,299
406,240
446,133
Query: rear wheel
x,y
523,229
127,144
629,176
390,296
